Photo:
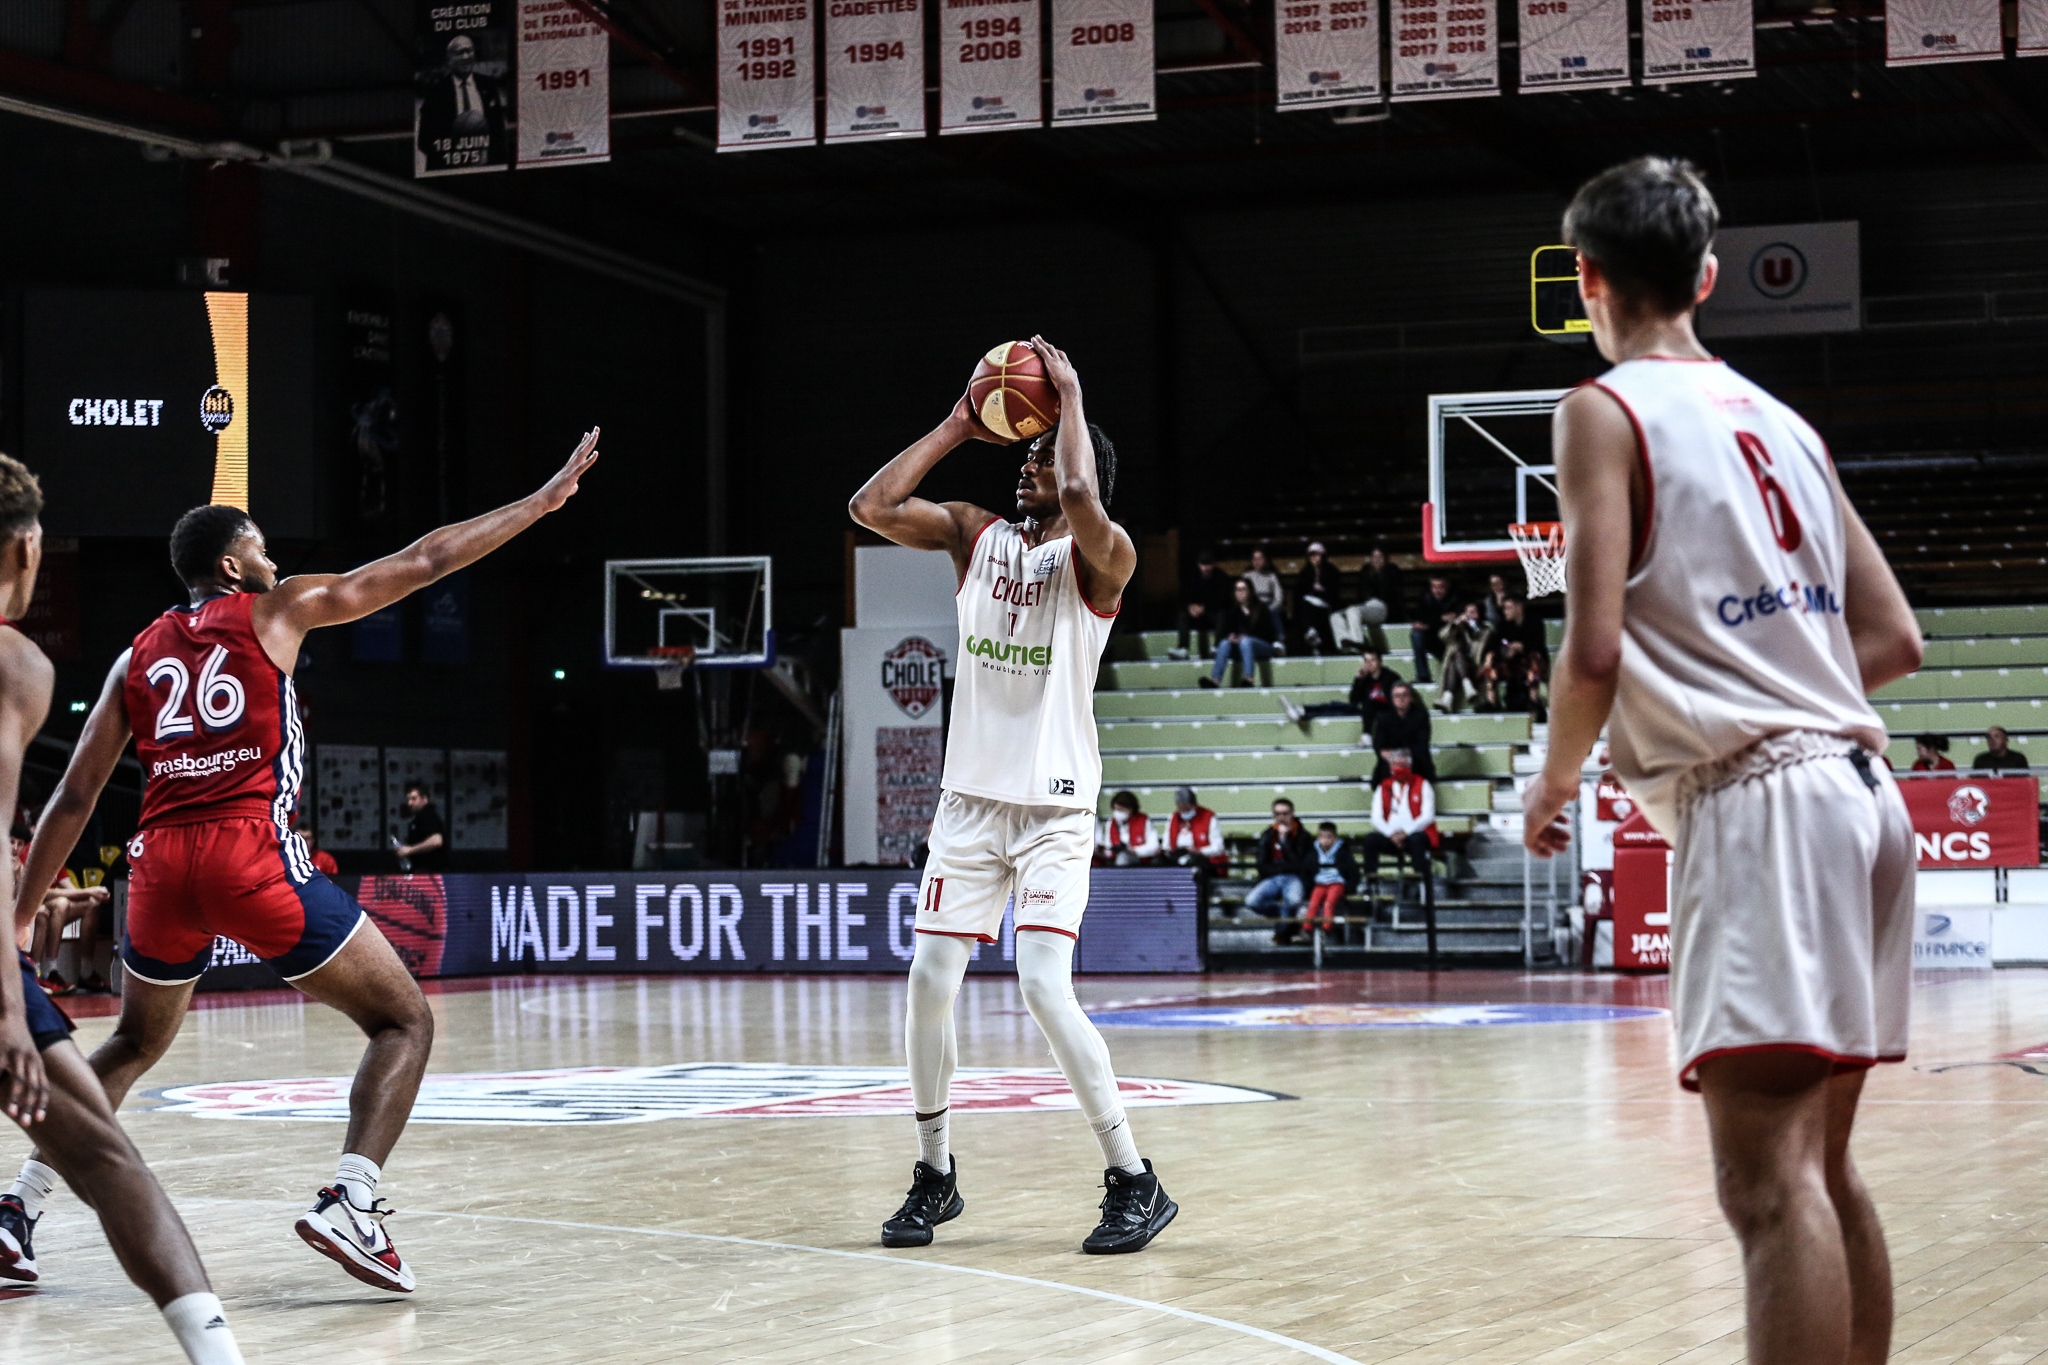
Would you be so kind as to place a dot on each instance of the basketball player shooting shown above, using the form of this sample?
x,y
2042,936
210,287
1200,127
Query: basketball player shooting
x,y
1017,808
1731,611
45,1083
206,691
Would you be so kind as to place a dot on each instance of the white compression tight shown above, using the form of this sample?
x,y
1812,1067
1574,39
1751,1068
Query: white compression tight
x,y
1045,975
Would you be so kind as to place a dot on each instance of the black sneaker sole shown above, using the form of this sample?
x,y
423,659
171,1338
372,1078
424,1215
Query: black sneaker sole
x,y
922,1237
1157,1226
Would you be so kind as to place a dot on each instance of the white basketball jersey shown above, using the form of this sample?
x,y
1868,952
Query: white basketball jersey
x,y
1732,628
1023,725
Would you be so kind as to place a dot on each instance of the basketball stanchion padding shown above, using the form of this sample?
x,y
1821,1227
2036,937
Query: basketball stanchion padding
x,y
1540,547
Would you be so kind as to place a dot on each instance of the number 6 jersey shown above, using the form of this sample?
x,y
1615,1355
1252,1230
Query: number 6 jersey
x,y
216,723
1732,627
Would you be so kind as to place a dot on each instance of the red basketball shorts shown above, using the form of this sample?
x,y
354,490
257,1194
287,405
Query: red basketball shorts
x,y
235,878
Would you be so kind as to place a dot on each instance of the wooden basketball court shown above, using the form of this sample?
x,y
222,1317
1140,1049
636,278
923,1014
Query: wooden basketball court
x,y
1470,1191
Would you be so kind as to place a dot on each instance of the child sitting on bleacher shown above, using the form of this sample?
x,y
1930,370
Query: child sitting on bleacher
x,y
1336,877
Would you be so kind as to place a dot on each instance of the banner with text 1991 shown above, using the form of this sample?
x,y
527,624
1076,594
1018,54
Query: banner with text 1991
x,y
565,86
766,60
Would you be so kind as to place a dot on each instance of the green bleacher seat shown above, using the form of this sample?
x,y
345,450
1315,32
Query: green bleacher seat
x,y
1949,684
1288,672
1949,622
1987,651
1196,702
1284,765
1960,717
1211,735
1248,827
1312,800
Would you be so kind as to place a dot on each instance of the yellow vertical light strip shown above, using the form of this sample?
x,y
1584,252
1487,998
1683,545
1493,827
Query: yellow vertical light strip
x,y
228,315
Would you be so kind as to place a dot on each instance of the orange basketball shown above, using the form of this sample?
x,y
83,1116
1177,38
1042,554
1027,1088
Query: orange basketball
x,y
1011,395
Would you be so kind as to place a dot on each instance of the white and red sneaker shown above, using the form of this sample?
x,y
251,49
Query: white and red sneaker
x,y
354,1238
17,1256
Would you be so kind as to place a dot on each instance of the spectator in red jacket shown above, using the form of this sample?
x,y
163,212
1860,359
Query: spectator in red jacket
x,y
1931,754
1127,838
1403,815
1194,836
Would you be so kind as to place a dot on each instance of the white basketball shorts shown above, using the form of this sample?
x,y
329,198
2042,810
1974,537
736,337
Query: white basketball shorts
x,y
1791,906
981,850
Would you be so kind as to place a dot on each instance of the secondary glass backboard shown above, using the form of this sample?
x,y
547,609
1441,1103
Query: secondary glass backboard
x,y
709,613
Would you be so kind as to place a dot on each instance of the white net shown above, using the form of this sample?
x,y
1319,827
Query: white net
x,y
1540,546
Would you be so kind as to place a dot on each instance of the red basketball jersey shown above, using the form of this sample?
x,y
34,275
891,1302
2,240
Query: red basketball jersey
x,y
216,722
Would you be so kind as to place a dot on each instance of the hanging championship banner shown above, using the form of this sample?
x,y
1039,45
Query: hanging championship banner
x,y
565,86
988,66
874,69
1698,40
766,95
1444,49
1326,52
2033,35
459,105
1574,44
1923,32
1102,61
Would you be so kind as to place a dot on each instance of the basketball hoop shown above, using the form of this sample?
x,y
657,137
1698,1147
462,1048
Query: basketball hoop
x,y
1540,547
676,659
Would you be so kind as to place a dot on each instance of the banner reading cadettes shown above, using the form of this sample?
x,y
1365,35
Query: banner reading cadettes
x,y
874,69
1444,49
1574,44
766,74
2033,34
1102,61
1698,40
988,66
565,86
1326,52
461,107
1924,32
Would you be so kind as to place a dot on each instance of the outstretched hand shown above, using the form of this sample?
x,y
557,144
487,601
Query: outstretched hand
x,y
562,487
1058,368
964,415
1546,830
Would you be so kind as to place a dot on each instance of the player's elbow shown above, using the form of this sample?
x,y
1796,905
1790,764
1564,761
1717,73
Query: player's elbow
x,y
1076,492
1599,663
1909,649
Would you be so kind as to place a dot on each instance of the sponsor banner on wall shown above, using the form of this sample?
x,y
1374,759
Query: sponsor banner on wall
x,y
2033,31
765,75
1139,920
1326,52
1922,32
565,86
1443,49
1798,277
1699,40
988,66
461,104
1975,821
874,69
1574,44
1953,936
1102,53
893,679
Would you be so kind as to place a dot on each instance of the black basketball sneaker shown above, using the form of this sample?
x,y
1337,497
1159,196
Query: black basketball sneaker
x,y
934,1198
1135,1209
17,1256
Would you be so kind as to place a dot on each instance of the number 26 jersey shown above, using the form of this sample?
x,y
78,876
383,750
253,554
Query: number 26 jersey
x,y
216,723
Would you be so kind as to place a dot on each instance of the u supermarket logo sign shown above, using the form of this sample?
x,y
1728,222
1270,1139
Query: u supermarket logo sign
x,y
709,1090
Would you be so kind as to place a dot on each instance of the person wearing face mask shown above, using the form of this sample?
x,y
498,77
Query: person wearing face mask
x,y
1128,838
1403,816
1194,837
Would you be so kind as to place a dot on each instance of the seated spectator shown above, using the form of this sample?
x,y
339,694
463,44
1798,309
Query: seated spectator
x,y
1494,606
1317,593
1126,838
1285,864
1930,754
1380,581
1194,836
1336,876
1405,727
1403,816
1467,642
1517,664
66,904
1371,696
1204,598
1266,585
1434,614
1997,757
1249,636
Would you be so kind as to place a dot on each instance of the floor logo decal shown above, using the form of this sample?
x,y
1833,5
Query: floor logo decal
x,y
640,1094
1361,1015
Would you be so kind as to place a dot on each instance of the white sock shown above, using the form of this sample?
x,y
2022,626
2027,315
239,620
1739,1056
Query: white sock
x,y
202,1329
1113,1131
33,1186
357,1177
932,1147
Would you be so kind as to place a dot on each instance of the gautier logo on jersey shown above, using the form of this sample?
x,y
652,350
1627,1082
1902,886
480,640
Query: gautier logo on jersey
x,y
914,674
1002,652
1790,599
